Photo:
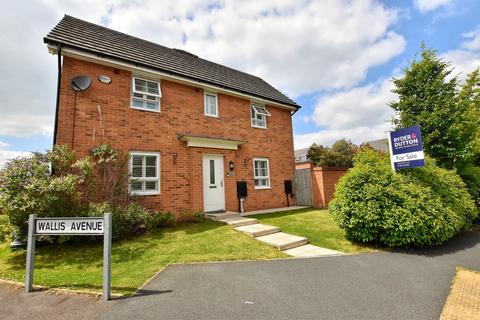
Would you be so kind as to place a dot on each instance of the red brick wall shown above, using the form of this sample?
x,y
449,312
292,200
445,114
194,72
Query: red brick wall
x,y
324,180
182,111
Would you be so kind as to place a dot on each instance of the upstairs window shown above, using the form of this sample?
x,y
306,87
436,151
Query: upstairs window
x,y
259,116
144,173
261,173
146,95
211,104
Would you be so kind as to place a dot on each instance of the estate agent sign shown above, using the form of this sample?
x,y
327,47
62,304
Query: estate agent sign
x,y
70,226
406,150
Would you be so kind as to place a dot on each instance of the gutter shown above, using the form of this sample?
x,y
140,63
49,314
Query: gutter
x,y
59,80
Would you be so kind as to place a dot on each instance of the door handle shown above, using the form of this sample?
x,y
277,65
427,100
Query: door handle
x,y
221,183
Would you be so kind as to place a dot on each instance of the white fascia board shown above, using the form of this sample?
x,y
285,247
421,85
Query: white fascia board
x,y
82,55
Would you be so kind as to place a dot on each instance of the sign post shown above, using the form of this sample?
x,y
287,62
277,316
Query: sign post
x,y
406,150
70,226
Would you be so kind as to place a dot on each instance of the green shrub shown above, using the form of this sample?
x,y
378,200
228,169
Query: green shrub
x,y
132,220
163,219
471,177
6,229
420,207
26,188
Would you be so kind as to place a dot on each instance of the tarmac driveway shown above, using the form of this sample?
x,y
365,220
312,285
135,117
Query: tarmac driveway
x,y
394,285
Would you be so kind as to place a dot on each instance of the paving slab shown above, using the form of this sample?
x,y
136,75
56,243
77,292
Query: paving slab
x,y
310,250
238,221
283,241
258,229
463,302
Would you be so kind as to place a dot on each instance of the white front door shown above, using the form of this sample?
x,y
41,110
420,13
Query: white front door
x,y
213,189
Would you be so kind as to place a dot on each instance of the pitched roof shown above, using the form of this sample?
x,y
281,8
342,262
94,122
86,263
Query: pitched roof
x,y
78,34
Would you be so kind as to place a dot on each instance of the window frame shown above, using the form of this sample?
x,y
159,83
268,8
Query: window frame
x,y
214,94
253,108
143,179
133,91
255,177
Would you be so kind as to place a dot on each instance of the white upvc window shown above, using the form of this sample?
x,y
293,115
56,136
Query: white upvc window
x,y
144,173
211,104
261,173
146,94
259,116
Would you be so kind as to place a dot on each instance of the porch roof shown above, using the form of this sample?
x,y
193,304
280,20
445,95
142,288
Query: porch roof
x,y
210,142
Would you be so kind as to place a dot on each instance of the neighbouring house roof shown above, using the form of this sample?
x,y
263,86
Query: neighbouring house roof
x,y
82,35
301,152
379,145
301,155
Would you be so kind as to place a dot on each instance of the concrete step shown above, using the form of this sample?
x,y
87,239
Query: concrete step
x,y
283,241
258,230
238,221
221,215
308,250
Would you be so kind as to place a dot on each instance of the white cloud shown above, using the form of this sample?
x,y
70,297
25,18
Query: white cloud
x,y
463,61
357,135
358,114
473,42
467,58
430,5
6,155
299,46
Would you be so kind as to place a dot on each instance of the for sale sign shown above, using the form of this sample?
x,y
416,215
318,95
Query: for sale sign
x,y
406,150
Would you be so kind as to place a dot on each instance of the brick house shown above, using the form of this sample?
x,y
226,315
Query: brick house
x,y
192,128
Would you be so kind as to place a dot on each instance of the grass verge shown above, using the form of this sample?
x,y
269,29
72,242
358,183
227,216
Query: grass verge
x,y
79,267
316,225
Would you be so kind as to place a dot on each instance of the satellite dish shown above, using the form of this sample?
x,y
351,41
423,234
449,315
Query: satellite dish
x,y
81,83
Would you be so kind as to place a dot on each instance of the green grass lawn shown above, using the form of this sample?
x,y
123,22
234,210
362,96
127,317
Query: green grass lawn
x,y
134,261
315,225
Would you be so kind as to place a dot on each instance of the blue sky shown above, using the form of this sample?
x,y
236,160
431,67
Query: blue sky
x,y
335,58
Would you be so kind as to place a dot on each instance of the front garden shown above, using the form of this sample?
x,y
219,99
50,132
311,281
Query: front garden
x,y
134,261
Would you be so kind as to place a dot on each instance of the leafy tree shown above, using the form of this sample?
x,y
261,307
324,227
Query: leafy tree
x,y
429,98
316,153
339,155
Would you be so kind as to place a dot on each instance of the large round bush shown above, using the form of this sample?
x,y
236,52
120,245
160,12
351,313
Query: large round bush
x,y
420,207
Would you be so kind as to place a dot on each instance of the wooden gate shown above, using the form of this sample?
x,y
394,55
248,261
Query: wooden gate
x,y
303,187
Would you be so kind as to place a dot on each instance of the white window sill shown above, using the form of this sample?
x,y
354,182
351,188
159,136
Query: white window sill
x,y
258,127
144,193
262,188
211,115
149,110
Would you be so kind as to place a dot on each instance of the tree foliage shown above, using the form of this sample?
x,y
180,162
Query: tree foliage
x,y
339,155
429,96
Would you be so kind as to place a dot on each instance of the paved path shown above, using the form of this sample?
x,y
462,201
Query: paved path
x,y
400,285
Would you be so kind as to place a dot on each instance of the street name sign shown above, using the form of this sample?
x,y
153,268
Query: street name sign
x,y
71,226
406,149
